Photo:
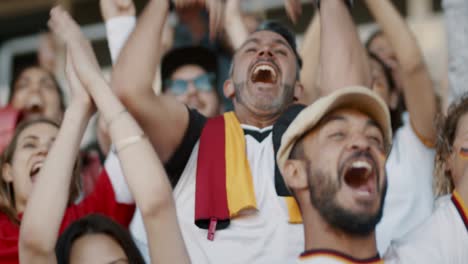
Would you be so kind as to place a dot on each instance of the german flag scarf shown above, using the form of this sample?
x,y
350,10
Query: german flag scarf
x,y
224,185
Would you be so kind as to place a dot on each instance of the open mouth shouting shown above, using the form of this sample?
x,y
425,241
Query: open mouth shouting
x,y
360,174
35,169
264,72
33,110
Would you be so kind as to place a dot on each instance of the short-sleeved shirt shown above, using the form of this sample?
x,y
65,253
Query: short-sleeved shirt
x,y
410,199
443,238
262,236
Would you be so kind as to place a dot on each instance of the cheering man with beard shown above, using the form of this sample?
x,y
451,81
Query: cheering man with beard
x,y
223,168
332,158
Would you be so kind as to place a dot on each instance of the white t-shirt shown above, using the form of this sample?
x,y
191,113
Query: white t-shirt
x,y
443,238
410,198
262,236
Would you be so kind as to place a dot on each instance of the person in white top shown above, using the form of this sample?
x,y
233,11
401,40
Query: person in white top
x,y
410,164
332,156
443,238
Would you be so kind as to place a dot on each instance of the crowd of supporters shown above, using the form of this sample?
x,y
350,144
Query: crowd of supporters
x,y
220,140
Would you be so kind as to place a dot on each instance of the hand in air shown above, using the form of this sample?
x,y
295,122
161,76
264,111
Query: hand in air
x,y
293,9
77,91
81,53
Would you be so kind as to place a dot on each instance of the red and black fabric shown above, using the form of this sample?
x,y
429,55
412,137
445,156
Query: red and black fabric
x,y
278,130
211,204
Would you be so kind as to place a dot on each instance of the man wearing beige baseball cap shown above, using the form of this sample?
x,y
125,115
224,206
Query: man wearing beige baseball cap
x,y
332,158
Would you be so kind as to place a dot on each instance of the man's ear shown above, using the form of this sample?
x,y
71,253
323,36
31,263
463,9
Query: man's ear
x,y
295,174
7,173
229,89
298,91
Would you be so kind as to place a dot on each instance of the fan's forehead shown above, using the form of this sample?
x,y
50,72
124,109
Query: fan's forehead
x,y
266,37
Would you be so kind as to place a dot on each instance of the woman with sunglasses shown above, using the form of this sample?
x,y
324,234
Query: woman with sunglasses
x,y
144,171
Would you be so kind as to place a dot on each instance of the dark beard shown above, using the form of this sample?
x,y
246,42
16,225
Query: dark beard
x,y
322,196
286,99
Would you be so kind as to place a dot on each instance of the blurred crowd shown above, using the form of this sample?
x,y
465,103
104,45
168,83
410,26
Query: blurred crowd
x,y
219,140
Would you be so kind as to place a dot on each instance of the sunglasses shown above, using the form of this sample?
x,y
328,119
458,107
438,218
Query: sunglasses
x,y
203,83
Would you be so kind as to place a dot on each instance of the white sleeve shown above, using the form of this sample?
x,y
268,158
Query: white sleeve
x,y
118,30
456,22
410,199
443,238
117,179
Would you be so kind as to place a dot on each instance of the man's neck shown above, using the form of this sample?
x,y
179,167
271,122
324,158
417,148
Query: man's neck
x,y
320,235
247,117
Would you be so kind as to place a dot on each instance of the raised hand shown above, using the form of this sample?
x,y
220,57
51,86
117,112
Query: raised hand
x,y
84,61
234,26
116,8
78,92
293,9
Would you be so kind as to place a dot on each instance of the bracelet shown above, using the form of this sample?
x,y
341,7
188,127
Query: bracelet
x,y
124,143
116,117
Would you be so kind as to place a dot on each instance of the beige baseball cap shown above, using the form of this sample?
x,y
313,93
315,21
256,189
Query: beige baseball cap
x,y
356,97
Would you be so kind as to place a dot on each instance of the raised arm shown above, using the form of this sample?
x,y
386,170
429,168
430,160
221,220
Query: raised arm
x,y
163,118
343,59
119,18
46,205
310,53
234,26
418,89
456,22
142,168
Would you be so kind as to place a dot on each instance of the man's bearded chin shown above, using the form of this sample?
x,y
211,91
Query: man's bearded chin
x,y
283,101
323,197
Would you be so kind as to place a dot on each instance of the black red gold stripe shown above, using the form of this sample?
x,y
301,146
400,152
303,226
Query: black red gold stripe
x,y
340,256
461,207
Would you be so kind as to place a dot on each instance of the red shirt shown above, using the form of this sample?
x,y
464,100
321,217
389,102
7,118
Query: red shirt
x,y
101,200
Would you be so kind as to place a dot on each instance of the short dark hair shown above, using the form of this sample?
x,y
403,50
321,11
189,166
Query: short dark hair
x,y
96,224
51,75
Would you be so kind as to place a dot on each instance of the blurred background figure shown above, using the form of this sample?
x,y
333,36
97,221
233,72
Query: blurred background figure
x,y
189,74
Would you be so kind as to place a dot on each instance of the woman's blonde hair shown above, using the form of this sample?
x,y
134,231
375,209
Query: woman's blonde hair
x,y
7,193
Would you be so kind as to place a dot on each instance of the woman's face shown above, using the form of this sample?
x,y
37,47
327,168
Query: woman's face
x,y
381,47
36,94
379,81
97,249
457,162
30,152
